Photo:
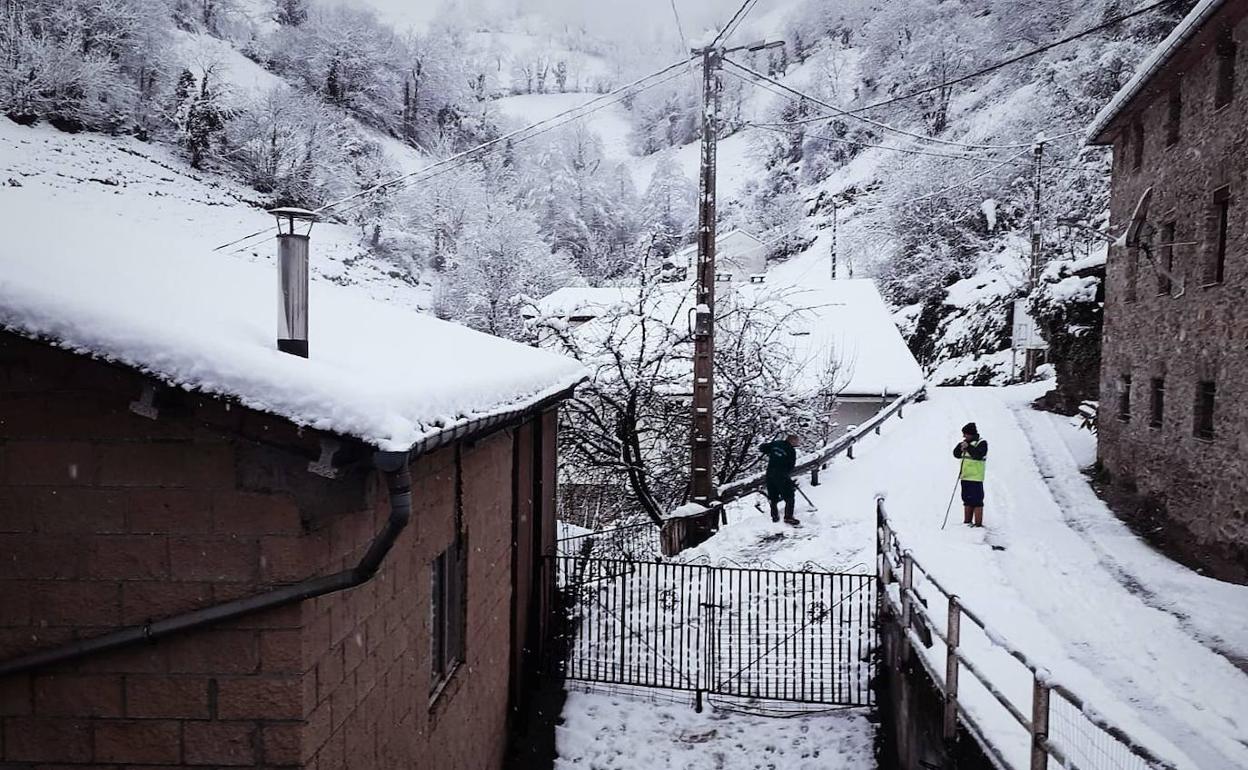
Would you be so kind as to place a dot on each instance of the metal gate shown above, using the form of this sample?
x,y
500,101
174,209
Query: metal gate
x,y
754,633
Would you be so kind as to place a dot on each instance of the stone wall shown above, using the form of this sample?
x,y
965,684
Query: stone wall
x,y
1196,332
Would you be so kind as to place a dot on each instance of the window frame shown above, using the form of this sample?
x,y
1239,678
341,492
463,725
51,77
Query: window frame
x,y
1220,219
1174,116
449,614
1124,398
1204,426
1226,51
1169,234
1157,403
1137,144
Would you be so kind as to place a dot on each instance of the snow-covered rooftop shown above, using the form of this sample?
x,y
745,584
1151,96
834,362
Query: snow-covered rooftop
x,y
848,320
121,274
1152,63
845,319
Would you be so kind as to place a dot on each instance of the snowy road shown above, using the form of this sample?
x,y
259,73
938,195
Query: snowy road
x,y
1143,640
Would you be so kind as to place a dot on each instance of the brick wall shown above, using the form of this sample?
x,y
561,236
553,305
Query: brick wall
x,y
109,519
367,652
1201,335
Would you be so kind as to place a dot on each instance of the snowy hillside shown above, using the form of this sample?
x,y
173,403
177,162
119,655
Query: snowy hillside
x,y
113,191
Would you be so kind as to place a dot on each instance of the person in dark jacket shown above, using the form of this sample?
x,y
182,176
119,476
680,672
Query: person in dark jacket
x,y
973,452
781,457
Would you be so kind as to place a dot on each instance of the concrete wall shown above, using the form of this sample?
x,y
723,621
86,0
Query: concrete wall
x,y
110,519
1200,486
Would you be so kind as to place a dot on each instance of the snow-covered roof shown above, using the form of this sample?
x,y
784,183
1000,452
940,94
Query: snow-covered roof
x,y
844,319
1152,63
849,320
733,234
130,277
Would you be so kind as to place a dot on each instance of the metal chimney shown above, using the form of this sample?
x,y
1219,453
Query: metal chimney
x,y
294,226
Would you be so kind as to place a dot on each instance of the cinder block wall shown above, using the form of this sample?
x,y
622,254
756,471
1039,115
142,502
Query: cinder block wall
x,y
1201,335
109,519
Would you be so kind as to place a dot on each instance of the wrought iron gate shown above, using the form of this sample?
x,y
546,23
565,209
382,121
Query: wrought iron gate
x,y
754,633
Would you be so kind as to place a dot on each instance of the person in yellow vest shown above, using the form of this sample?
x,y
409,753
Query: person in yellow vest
x,y
973,452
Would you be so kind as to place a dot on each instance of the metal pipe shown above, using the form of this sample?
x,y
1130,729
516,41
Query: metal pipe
x,y
399,481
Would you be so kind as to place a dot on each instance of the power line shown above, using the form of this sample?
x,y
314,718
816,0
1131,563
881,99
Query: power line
x,y
684,42
736,19
1014,59
807,97
966,181
779,128
575,113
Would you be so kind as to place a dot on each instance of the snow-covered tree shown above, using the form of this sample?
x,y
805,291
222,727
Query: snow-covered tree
x,y
668,208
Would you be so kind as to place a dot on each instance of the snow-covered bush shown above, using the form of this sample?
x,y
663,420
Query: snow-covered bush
x,y
1068,306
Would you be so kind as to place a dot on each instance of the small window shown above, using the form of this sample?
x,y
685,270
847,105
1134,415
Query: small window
x,y
1227,50
1175,117
1206,391
1137,145
1215,269
1124,398
450,610
1157,403
1133,273
1166,258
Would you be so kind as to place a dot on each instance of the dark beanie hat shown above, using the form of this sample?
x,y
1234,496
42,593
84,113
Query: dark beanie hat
x,y
970,430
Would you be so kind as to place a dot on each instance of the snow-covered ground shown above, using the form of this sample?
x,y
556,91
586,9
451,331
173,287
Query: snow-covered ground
x,y
1145,641
614,731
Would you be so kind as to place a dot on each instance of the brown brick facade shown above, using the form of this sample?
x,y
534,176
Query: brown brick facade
x,y
108,518
1188,336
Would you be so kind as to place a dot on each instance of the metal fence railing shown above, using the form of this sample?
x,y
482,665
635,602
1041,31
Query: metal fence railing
x,y
1059,725
812,461
631,541
796,636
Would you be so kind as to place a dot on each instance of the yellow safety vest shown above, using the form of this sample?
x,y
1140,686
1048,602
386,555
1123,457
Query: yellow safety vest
x,y
973,470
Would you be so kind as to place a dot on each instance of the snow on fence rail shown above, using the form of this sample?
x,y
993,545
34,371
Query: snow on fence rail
x,y
1064,727
813,461
631,541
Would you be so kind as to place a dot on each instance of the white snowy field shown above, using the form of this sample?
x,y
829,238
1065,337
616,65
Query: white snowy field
x,y
1146,642
611,731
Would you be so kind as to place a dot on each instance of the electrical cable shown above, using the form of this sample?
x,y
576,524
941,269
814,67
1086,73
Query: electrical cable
x,y
615,95
778,128
736,19
840,112
1006,62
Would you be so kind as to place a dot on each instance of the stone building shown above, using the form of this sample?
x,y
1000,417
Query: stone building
x,y
216,554
1174,373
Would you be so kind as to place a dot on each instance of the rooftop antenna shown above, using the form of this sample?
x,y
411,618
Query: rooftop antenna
x,y
294,228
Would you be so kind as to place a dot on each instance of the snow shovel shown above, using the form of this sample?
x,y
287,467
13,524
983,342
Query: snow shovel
x,y
952,494
813,507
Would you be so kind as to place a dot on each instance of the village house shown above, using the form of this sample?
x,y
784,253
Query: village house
x,y
839,327
739,258
1173,417
213,553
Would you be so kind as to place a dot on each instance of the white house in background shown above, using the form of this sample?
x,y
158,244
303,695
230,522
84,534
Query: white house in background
x,y
738,256
846,320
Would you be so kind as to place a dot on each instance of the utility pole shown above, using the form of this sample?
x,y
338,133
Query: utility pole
x,y
702,478
833,255
1031,355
